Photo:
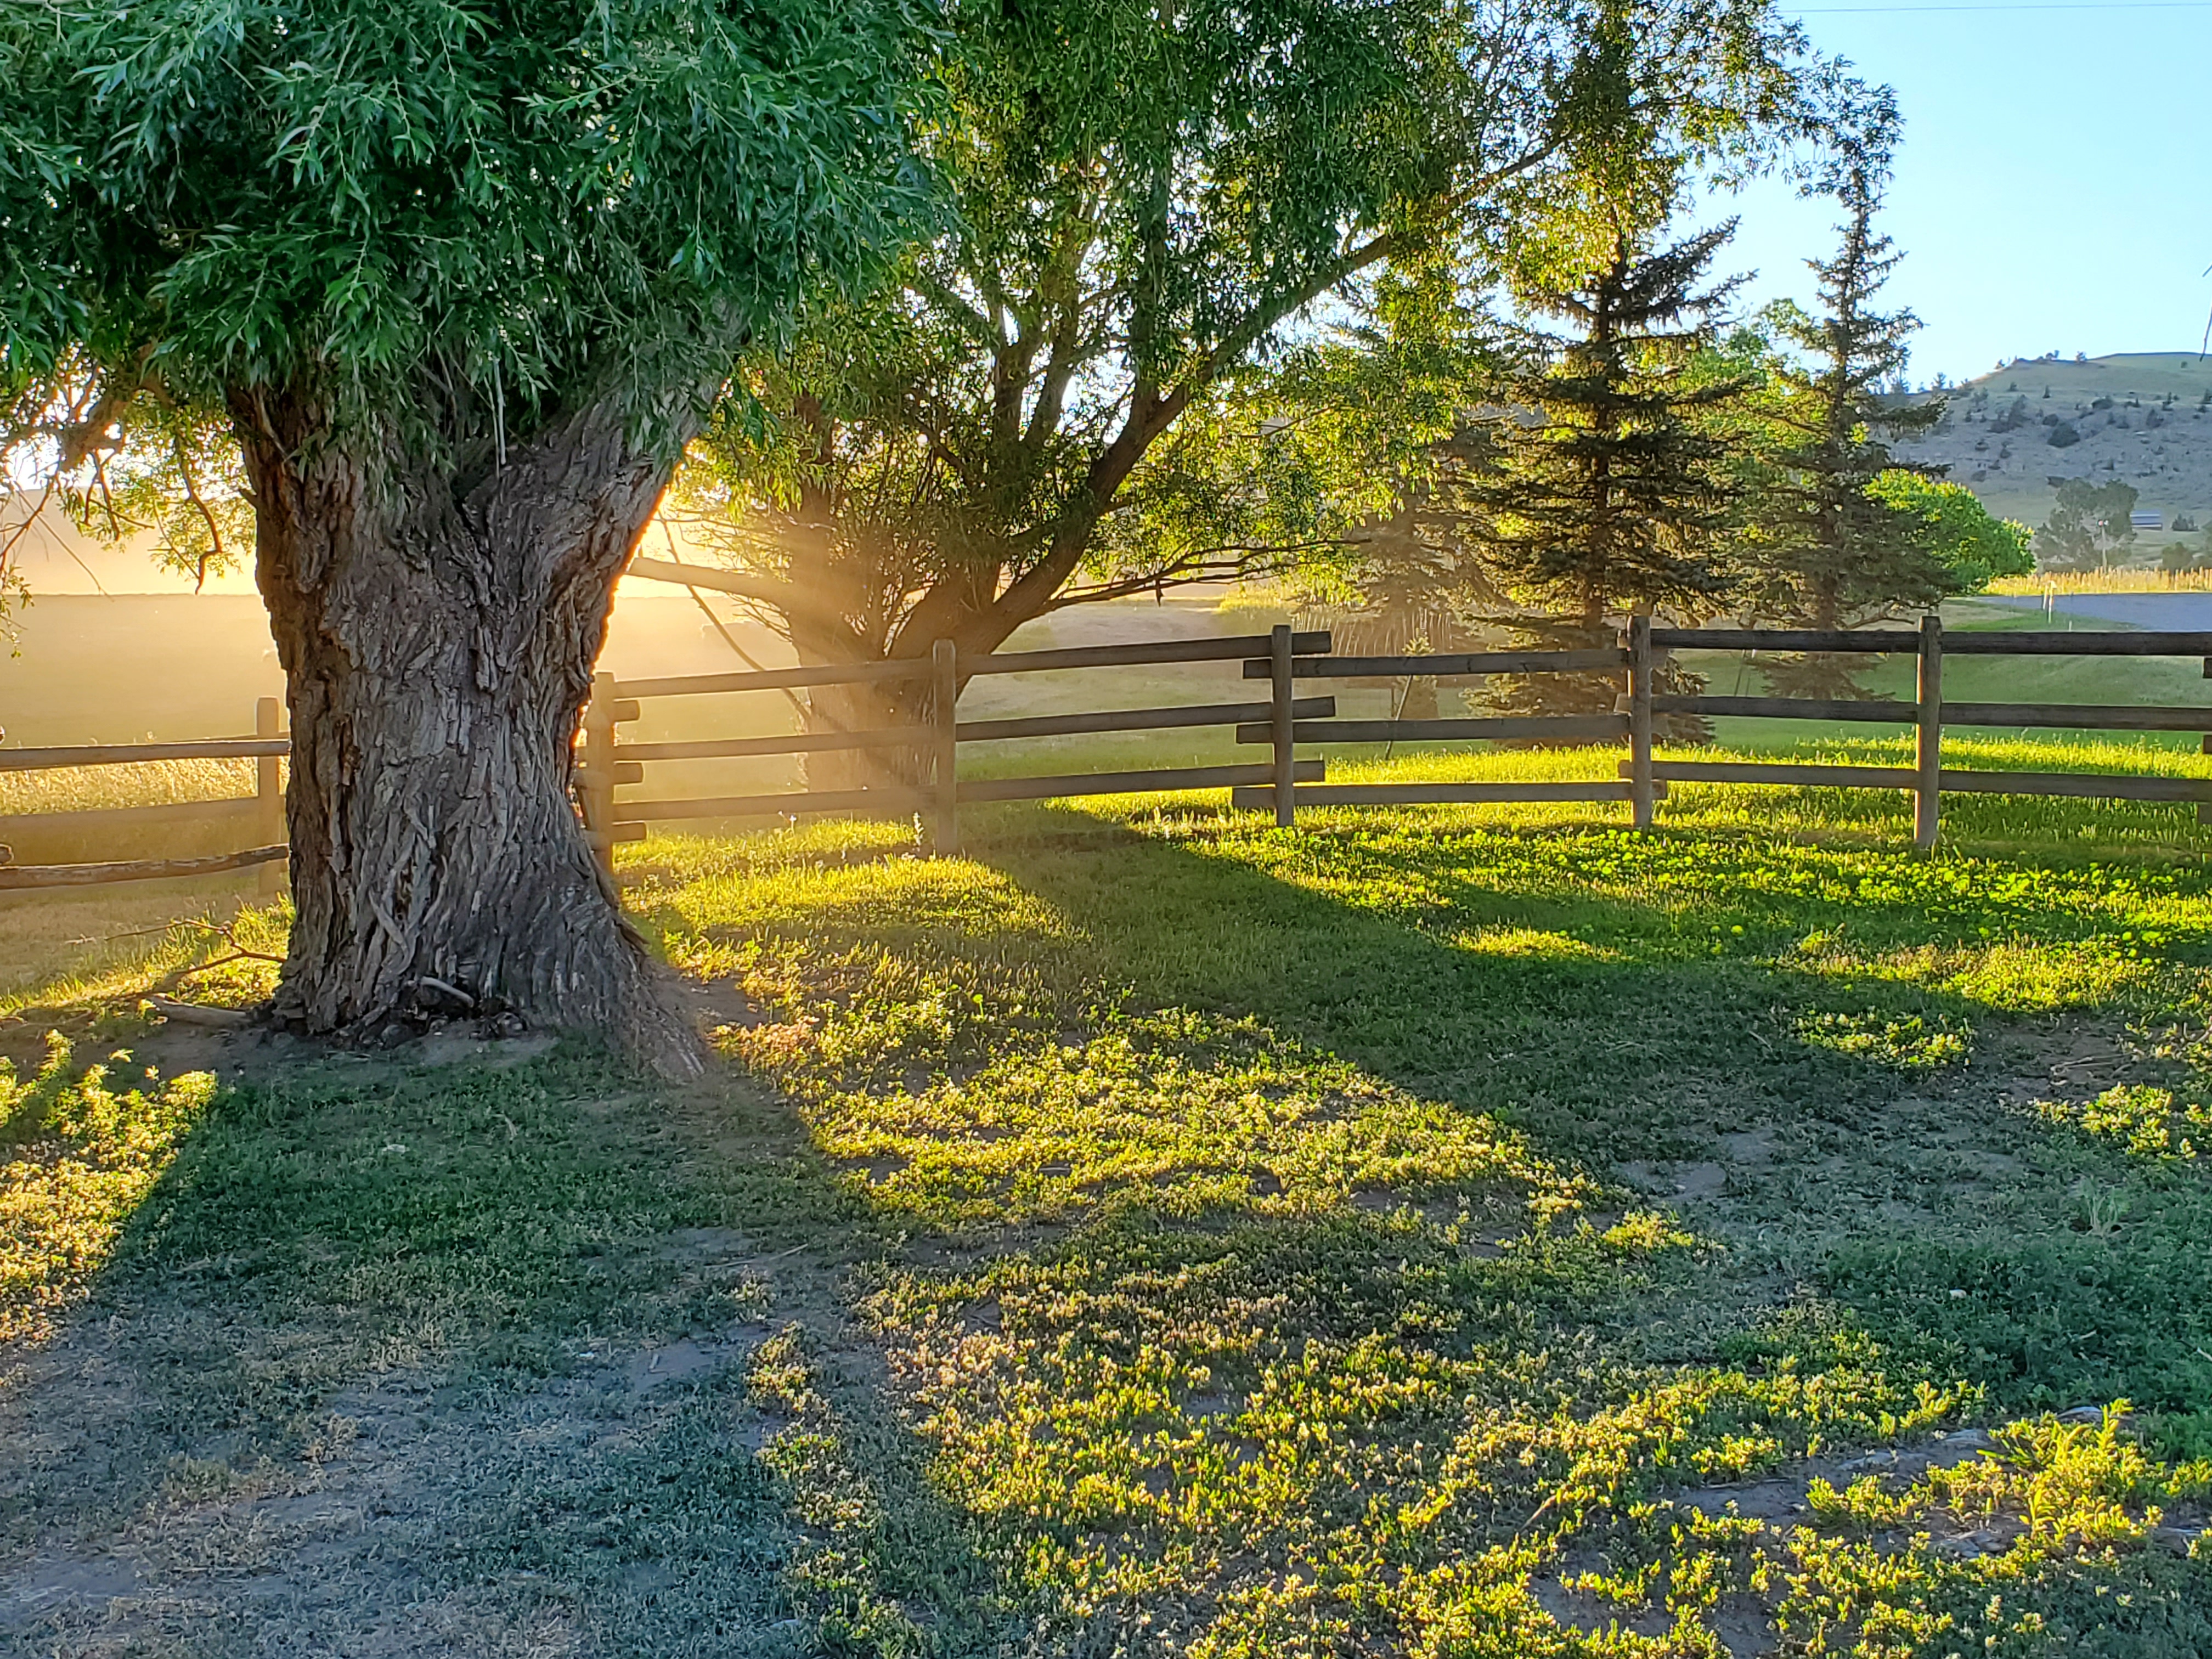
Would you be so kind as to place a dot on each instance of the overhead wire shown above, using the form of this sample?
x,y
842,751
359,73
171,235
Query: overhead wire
x,y
2005,6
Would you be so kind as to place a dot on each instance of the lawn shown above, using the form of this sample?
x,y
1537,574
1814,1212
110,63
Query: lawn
x,y
1457,1232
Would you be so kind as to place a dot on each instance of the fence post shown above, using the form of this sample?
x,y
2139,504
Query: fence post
x,y
1639,721
1927,735
2204,812
268,794
595,787
1280,728
943,658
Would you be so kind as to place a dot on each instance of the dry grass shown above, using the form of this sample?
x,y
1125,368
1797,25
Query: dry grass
x,y
2112,580
98,789
88,938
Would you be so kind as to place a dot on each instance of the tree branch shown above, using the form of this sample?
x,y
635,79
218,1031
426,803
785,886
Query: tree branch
x,y
1207,564
192,494
780,595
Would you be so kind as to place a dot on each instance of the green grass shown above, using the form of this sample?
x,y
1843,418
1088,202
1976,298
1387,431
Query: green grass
x,y
1345,1303
1468,1231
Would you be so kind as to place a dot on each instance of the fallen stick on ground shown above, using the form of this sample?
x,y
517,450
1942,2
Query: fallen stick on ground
x,y
196,1013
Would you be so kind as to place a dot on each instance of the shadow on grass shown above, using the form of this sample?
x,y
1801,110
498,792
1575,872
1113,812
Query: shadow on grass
x,y
1834,1050
1319,1240
489,1358
1306,1242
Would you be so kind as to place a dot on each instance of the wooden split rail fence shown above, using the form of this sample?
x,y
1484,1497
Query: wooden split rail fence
x,y
1928,713
1286,720
260,816
607,764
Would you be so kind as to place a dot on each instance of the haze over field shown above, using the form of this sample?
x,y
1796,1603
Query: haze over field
x,y
114,649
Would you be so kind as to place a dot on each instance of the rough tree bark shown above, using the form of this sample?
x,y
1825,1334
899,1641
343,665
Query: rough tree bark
x,y
437,634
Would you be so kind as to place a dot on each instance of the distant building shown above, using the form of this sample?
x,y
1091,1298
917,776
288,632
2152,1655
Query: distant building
x,y
2147,520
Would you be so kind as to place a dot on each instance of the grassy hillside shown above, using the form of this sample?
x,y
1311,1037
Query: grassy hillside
x,y
2169,464
1473,1232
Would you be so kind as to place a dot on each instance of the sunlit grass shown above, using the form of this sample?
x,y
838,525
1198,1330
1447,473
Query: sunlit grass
x,y
1294,1304
219,953
139,783
2115,579
83,1147
1404,1234
1970,821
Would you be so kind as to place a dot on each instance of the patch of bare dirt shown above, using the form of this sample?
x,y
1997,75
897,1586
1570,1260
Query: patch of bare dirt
x,y
1780,1497
1684,1181
2066,1058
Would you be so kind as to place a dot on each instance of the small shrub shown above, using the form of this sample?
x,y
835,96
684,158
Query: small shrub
x,y
2062,436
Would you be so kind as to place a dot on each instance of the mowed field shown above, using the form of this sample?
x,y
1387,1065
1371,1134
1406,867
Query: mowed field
x,y
1453,1232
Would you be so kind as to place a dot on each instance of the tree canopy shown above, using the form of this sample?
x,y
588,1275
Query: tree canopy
x,y
2088,524
1973,545
1826,550
470,218
1607,494
458,282
1150,203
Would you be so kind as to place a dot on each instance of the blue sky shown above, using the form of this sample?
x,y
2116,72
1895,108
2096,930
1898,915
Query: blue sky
x,y
2054,191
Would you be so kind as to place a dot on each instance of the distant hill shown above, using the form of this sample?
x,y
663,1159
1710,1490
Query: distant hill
x,y
2164,450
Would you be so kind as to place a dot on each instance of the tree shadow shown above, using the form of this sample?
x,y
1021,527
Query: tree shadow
x,y
1360,1137
1839,1190
1859,1135
473,1358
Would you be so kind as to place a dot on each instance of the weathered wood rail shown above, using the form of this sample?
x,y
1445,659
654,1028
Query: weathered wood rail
x,y
607,763
1286,720
1577,728
1928,714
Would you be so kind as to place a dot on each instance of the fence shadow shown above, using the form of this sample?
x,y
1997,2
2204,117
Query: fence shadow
x,y
1598,1023
1395,1174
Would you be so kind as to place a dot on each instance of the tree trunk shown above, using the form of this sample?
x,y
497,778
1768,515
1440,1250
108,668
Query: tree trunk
x,y
867,708
870,706
437,634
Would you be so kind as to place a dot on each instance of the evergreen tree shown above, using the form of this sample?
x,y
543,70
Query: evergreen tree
x,y
1829,551
1420,583
1607,494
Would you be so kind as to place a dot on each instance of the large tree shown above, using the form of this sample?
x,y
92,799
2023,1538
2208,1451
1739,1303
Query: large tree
x,y
2088,526
1150,201
462,280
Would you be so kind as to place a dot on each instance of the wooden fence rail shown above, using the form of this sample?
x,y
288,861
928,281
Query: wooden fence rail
x,y
1928,779
1286,720
932,742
